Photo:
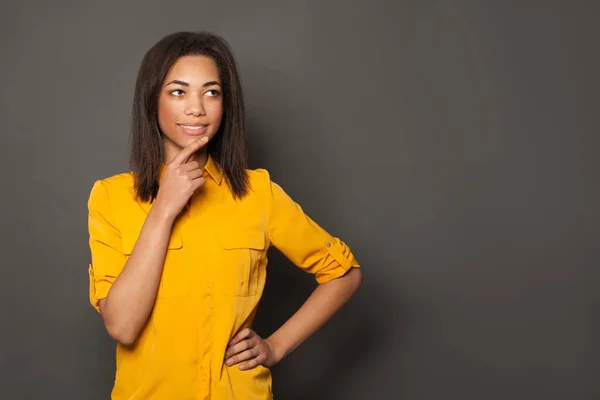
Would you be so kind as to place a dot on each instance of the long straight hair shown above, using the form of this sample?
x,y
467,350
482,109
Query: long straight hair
x,y
227,147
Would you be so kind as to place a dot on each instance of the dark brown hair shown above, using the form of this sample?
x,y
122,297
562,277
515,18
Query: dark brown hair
x,y
227,147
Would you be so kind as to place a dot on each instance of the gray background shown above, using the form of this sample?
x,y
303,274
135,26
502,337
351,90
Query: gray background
x,y
452,144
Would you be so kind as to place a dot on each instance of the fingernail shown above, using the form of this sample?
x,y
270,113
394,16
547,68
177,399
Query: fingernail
x,y
228,362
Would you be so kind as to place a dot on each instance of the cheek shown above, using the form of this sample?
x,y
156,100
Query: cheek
x,y
216,111
167,113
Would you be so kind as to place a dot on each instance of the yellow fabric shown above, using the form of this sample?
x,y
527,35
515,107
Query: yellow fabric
x,y
213,277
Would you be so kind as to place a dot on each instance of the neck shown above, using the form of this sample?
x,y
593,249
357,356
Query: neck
x,y
200,156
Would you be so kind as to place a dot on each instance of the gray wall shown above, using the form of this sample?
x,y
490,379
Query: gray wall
x,y
452,144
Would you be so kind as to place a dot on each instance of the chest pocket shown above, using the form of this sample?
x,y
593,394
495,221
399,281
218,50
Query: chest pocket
x,y
240,254
174,279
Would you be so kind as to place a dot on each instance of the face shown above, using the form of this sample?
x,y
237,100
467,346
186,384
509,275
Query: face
x,y
190,103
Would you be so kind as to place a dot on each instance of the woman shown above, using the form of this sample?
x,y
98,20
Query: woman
x,y
179,244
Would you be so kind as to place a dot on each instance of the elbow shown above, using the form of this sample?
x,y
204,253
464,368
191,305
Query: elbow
x,y
118,328
353,280
356,275
121,333
123,336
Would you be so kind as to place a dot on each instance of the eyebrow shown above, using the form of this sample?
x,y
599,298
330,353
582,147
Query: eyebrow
x,y
182,83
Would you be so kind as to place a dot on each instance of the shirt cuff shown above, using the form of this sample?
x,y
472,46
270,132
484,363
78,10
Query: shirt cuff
x,y
339,260
98,288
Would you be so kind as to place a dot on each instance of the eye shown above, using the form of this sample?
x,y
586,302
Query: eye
x,y
176,92
213,92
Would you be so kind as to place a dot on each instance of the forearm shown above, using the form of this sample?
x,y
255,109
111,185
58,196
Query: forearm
x,y
322,304
132,295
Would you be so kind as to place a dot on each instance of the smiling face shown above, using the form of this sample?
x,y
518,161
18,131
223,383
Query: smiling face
x,y
190,103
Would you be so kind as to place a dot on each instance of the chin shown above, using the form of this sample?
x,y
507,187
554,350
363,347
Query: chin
x,y
182,140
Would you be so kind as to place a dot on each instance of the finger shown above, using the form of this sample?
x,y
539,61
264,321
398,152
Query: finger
x,y
238,348
243,356
189,166
253,363
241,335
187,151
195,174
198,182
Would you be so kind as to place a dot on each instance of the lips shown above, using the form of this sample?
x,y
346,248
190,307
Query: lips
x,y
193,129
191,126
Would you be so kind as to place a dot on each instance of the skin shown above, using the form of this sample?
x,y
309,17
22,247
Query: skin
x,y
191,95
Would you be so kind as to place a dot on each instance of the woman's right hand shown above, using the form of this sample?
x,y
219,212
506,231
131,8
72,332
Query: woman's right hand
x,y
180,180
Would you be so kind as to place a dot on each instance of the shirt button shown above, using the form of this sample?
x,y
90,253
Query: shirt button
x,y
328,244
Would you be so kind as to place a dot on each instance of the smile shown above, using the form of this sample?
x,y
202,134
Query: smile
x,y
193,127
193,130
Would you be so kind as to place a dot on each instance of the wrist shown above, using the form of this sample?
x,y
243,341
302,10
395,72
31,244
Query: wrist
x,y
160,216
278,349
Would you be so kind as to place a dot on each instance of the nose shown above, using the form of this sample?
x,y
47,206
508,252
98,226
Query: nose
x,y
195,107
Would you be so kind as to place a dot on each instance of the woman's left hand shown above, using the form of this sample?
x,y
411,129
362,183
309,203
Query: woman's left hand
x,y
249,347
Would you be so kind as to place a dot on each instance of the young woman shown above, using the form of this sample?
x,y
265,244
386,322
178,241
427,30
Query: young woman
x,y
179,244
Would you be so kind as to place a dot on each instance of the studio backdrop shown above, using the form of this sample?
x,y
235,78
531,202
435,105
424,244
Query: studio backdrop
x,y
452,144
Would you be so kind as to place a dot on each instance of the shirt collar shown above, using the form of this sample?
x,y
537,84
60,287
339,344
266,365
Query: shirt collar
x,y
214,170
211,167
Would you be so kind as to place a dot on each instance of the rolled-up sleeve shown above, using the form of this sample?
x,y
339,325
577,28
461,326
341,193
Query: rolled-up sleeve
x,y
302,240
105,244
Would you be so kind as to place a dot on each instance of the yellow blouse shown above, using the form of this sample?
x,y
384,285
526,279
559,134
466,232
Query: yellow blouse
x,y
213,277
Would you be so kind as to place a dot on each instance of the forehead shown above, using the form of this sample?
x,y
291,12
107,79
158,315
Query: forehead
x,y
194,70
